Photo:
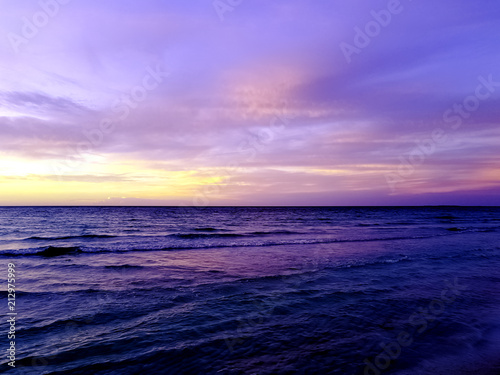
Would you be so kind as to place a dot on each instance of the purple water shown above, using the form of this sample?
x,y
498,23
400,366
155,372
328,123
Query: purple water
x,y
128,290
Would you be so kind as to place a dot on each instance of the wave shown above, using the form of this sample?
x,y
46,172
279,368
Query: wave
x,y
300,272
400,223
205,235
208,229
46,294
53,251
228,235
455,229
57,251
243,240
472,229
124,266
379,261
61,325
275,232
69,237
50,251
447,217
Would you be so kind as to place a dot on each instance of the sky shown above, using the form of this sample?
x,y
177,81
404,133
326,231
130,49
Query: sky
x,y
249,102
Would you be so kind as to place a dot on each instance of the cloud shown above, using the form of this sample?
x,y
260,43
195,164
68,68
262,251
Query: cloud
x,y
73,178
347,123
41,101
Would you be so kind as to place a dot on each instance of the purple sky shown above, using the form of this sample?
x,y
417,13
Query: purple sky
x,y
284,102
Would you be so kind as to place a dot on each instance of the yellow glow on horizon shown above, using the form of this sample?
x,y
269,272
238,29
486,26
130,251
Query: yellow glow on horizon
x,y
37,182
19,167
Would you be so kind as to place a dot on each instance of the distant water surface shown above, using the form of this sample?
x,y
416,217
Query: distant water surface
x,y
252,290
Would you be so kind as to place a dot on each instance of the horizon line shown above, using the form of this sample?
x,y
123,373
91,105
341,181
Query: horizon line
x,y
249,206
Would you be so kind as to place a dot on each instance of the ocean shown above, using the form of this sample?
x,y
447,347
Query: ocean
x,y
251,290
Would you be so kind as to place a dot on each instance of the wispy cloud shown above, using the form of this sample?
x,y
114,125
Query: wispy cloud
x,y
228,80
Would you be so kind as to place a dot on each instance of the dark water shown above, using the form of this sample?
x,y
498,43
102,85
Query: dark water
x,y
253,290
